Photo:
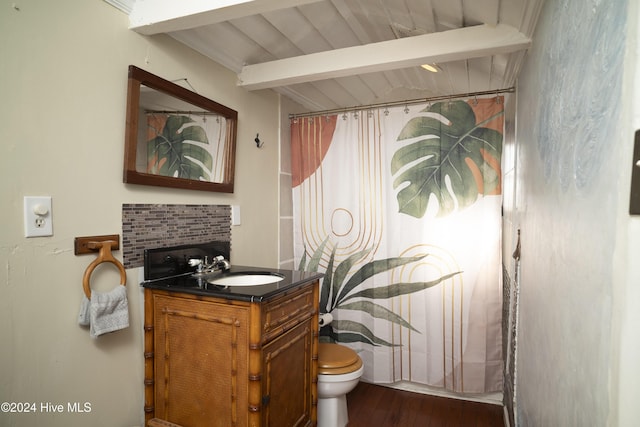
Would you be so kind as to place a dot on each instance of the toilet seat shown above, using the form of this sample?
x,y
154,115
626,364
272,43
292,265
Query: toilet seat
x,y
335,359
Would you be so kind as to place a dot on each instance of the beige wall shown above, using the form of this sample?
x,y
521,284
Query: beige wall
x,y
63,84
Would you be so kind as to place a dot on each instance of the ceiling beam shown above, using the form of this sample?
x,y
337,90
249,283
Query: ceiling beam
x,y
445,46
150,17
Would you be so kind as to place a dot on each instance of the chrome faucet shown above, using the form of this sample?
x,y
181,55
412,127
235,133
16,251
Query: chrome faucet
x,y
219,263
203,265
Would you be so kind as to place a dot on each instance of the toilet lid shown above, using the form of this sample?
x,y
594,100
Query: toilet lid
x,y
335,357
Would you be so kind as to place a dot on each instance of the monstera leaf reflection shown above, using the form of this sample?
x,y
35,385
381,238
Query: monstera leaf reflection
x,y
174,150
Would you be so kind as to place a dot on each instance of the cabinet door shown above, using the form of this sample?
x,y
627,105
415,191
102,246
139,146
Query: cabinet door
x,y
200,362
288,378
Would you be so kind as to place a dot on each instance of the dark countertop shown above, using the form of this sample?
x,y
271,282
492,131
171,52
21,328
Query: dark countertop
x,y
257,293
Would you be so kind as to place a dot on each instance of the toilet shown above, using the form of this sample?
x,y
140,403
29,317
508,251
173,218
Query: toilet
x,y
339,370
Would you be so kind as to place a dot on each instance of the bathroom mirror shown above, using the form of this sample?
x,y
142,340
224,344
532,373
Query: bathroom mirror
x,y
177,138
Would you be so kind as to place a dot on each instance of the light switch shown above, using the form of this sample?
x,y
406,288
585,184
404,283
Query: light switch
x,y
38,219
235,215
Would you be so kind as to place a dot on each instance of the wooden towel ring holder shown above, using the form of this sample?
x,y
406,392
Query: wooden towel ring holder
x,y
104,256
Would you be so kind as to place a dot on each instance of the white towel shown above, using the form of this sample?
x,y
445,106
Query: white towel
x,y
105,312
85,307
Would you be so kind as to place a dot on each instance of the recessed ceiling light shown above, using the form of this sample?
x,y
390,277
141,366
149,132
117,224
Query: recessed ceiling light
x,y
430,67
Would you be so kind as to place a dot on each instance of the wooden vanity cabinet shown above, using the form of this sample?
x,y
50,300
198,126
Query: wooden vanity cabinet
x,y
213,361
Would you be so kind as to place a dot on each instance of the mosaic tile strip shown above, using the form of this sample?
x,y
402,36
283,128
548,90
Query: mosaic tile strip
x,y
146,226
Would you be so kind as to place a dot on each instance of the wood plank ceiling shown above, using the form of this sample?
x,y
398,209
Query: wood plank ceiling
x,y
334,54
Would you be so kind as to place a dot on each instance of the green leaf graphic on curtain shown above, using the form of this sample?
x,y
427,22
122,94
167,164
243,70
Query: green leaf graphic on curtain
x,y
338,291
172,153
452,147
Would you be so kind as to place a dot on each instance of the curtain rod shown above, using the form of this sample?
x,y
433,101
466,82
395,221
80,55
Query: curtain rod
x,y
407,102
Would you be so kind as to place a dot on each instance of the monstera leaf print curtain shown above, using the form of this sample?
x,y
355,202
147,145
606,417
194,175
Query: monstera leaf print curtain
x,y
401,209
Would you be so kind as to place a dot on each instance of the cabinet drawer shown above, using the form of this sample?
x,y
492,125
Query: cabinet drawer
x,y
288,310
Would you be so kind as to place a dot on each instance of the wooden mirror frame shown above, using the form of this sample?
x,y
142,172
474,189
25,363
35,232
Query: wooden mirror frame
x,y
138,77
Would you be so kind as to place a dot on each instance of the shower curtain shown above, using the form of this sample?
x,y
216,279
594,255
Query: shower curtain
x,y
401,209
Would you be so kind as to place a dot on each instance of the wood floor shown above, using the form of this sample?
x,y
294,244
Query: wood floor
x,y
373,405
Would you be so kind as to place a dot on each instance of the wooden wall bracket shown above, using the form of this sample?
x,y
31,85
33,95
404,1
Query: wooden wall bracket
x,y
81,245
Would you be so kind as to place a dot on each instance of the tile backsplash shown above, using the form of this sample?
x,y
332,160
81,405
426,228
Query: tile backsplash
x,y
146,226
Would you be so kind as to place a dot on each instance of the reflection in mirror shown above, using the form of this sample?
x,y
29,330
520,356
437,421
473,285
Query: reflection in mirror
x,y
177,138
181,140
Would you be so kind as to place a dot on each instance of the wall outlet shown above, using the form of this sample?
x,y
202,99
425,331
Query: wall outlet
x,y
38,218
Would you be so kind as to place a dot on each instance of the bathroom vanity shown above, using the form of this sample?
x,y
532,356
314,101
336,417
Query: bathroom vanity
x,y
240,355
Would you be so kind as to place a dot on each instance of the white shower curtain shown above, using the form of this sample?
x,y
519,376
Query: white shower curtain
x,y
401,208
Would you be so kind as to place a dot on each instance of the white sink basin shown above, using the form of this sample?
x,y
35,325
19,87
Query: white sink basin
x,y
246,279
